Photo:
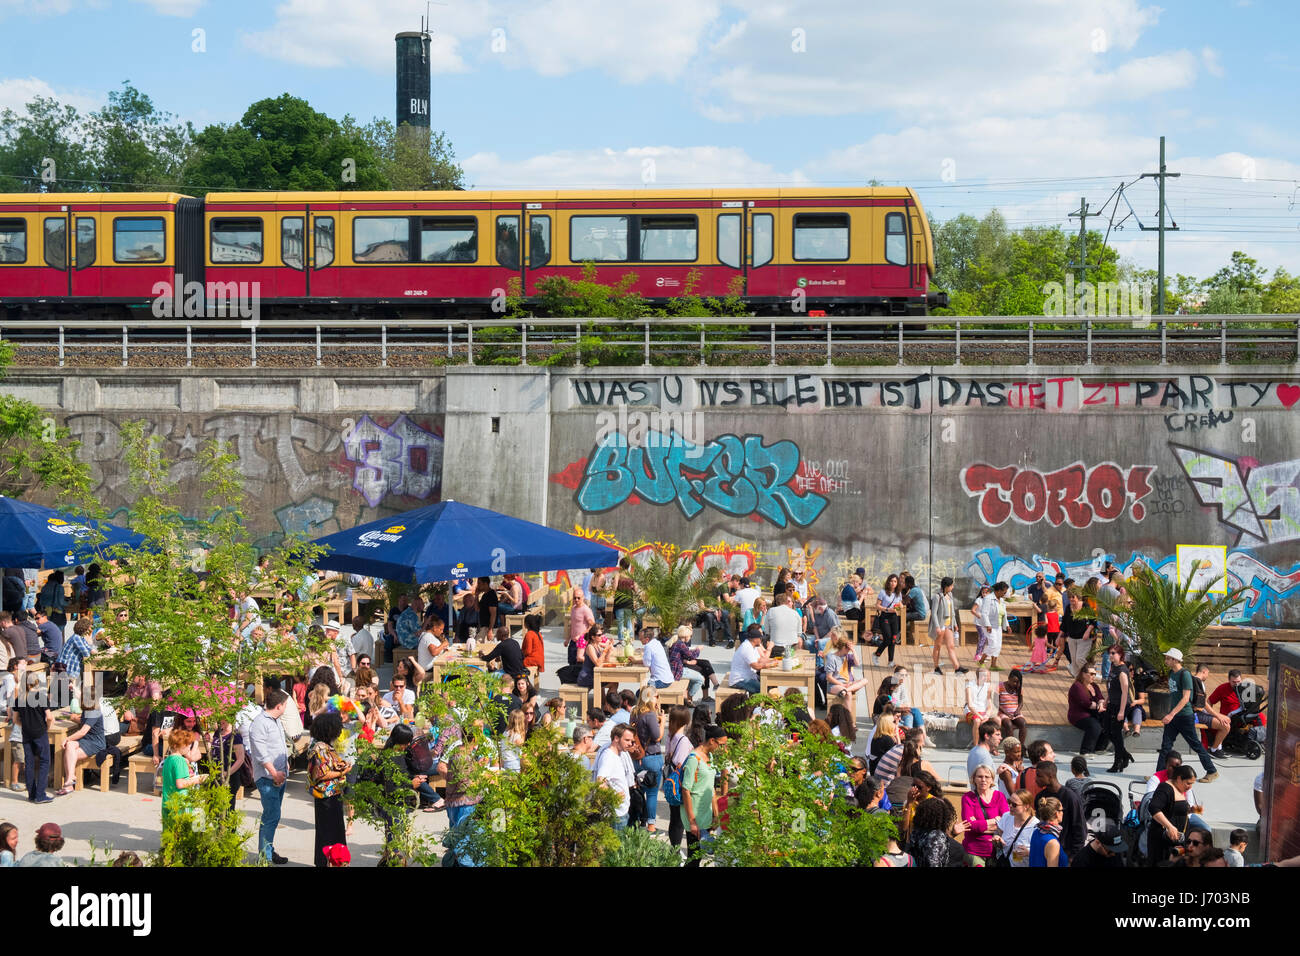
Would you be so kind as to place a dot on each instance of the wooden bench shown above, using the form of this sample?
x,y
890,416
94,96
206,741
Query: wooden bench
x,y
674,693
722,693
402,653
88,763
514,621
852,628
1225,648
966,628
573,694
136,765
913,628
1264,637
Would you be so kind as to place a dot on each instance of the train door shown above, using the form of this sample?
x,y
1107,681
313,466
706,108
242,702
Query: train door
x,y
894,273
731,239
540,251
55,275
292,277
85,273
323,277
761,280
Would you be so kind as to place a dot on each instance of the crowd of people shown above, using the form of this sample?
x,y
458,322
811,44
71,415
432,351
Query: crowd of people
x,y
1022,807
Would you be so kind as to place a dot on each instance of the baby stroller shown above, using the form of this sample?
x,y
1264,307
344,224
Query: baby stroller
x,y
1247,735
1103,805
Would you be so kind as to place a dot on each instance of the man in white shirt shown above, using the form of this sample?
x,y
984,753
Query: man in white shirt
x,y
992,616
746,596
784,622
614,769
431,644
655,657
400,698
749,660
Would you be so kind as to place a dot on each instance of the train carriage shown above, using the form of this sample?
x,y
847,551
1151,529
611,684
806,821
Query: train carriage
x,y
843,251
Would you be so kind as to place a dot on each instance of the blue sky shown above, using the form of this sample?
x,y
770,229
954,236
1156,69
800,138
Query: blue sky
x,y
1022,105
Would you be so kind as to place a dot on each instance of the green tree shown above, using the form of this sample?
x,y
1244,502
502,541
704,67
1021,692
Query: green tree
x,y
1225,300
135,146
784,808
38,458
1282,295
1164,613
672,589
46,148
1242,275
282,143
207,832
417,159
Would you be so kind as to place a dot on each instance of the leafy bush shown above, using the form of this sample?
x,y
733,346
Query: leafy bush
x,y
206,832
638,848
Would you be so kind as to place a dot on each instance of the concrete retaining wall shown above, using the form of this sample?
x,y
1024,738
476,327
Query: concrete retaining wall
x,y
982,474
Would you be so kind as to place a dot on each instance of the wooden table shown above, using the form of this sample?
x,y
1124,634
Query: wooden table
x,y
803,677
632,672
1027,611
440,664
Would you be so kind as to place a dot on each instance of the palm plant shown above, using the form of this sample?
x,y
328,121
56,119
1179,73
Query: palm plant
x,y
671,590
1162,614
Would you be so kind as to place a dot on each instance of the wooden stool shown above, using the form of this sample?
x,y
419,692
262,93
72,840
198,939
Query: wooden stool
x,y
87,763
573,694
674,693
722,693
514,621
137,765
401,653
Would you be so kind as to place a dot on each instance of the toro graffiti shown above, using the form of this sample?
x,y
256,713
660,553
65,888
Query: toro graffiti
x,y
1260,501
1076,495
738,476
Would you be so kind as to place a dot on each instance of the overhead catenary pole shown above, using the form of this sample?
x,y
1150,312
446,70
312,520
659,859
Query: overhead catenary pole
x,y
1160,228
1083,215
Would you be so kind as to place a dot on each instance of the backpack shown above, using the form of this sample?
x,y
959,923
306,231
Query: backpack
x,y
672,783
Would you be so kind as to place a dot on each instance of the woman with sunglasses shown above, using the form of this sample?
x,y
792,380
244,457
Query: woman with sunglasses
x,y
1086,705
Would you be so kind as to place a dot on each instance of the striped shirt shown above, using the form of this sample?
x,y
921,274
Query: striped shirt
x,y
887,769
1008,703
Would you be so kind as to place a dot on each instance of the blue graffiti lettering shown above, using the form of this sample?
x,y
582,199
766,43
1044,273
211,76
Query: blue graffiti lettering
x,y
737,476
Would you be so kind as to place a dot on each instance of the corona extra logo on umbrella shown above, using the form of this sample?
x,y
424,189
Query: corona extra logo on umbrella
x,y
59,526
375,539
459,572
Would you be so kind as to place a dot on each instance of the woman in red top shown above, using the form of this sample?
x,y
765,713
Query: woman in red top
x,y
534,652
1086,707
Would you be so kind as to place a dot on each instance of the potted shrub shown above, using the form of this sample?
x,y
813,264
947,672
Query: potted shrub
x,y
1161,614
671,589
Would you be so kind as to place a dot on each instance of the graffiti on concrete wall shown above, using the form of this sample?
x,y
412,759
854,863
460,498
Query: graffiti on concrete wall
x,y
308,475
801,392
1076,495
741,477
402,459
1266,587
1260,502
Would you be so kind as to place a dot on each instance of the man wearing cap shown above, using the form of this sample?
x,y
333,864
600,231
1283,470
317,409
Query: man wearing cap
x,y
1180,719
1105,849
749,659
49,841
342,656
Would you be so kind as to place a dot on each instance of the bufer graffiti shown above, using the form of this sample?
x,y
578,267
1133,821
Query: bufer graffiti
x,y
737,476
1076,495
1266,587
1262,502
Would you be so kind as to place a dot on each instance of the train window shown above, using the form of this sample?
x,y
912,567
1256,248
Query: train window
x,y
56,243
508,241
13,240
139,240
763,239
291,242
539,241
381,239
85,242
237,240
821,236
449,239
598,239
729,240
324,241
895,239
668,239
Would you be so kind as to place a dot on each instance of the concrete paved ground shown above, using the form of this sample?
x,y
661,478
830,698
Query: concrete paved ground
x,y
125,822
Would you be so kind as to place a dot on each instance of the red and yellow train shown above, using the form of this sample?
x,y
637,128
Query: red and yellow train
x,y
845,251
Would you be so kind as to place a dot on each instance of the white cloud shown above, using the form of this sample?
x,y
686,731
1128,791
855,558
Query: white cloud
x,y
17,92
649,166
173,8
35,7
1210,57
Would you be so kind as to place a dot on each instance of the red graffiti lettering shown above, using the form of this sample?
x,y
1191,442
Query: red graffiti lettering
x,y
1075,495
993,484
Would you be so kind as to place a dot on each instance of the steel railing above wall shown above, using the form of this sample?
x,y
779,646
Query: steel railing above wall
x,y
804,340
